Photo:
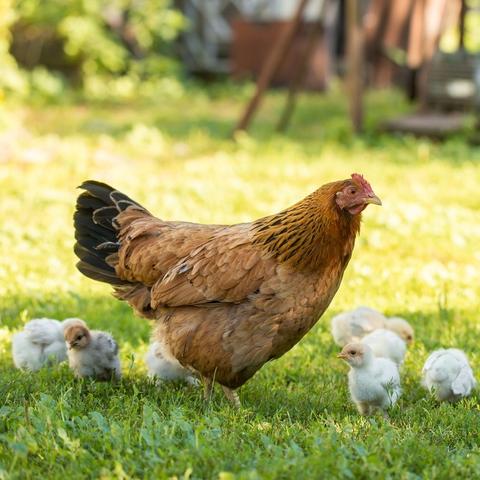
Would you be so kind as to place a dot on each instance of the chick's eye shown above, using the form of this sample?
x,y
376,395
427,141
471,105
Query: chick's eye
x,y
79,337
353,352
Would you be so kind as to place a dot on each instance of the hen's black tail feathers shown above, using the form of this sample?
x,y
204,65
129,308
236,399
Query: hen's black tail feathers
x,y
96,230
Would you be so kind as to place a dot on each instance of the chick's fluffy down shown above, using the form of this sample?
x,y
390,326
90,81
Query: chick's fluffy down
x,y
40,343
351,326
448,375
164,367
99,359
386,344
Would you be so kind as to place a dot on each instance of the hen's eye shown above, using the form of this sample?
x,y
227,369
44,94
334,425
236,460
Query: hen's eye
x,y
352,191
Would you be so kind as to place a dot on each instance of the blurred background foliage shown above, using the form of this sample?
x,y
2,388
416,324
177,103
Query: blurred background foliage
x,y
113,50
102,48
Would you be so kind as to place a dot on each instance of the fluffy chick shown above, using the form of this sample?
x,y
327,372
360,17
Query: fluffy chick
x,y
401,327
448,375
40,342
164,367
386,344
374,383
351,326
91,353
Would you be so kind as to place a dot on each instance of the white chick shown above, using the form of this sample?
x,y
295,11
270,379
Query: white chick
x,y
448,375
91,353
401,327
386,344
165,367
374,383
351,326
41,342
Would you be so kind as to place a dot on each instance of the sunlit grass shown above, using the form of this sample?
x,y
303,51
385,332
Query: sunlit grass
x,y
417,256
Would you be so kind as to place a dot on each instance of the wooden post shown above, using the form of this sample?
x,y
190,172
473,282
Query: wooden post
x,y
271,66
355,62
433,18
416,37
299,76
461,24
415,50
393,19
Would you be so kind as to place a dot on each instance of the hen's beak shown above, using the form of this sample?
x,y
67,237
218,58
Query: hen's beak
x,y
342,355
373,199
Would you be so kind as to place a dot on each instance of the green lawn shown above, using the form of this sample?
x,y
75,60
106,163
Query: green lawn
x,y
417,257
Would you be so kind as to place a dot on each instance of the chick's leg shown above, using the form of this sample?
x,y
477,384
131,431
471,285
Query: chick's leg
x,y
385,414
232,396
193,381
363,408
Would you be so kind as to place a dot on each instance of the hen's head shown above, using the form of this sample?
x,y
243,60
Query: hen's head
x,y
356,354
77,335
355,194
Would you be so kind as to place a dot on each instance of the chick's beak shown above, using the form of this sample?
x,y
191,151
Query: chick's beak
x,y
342,355
373,199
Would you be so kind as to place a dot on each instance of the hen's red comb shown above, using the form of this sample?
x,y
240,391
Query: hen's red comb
x,y
357,178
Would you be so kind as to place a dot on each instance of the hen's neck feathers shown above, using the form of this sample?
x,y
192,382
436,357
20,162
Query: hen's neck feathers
x,y
311,233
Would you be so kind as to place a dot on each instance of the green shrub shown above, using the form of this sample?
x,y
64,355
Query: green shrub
x,y
106,47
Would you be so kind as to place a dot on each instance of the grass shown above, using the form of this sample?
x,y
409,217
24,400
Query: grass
x,y
417,257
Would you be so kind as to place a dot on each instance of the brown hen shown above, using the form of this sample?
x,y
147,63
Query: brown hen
x,y
225,299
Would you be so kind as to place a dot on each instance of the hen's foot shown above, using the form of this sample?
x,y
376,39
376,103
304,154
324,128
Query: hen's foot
x,y
232,396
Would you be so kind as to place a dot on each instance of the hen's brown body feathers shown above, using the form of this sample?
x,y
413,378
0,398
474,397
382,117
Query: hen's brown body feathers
x,y
226,299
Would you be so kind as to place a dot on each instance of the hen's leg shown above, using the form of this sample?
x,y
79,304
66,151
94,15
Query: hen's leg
x,y
207,388
232,396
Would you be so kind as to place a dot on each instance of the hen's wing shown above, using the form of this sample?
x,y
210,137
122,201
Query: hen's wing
x,y
152,263
186,263
150,247
227,268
